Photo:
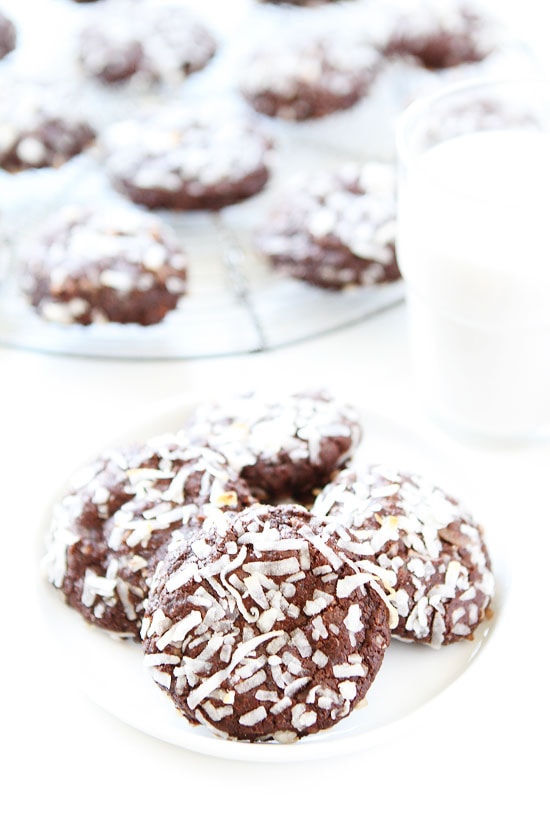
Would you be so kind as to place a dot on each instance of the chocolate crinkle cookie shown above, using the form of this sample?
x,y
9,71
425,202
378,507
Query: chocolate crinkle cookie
x,y
265,626
442,36
115,523
39,128
334,229
283,446
441,583
186,158
306,78
110,264
144,42
8,35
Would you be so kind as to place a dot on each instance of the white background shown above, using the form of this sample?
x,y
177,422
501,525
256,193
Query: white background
x,y
481,758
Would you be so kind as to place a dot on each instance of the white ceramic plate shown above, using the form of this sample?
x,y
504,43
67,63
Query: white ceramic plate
x,y
415,685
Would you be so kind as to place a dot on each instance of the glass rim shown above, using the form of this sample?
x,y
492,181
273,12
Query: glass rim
x,y
426,102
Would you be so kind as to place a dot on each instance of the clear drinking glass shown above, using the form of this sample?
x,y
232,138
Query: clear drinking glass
x,y
473,245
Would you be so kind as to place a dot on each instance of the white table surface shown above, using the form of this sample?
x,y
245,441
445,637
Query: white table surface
x,y
66,760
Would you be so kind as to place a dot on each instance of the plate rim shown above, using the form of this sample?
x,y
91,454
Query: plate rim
x,y
307,748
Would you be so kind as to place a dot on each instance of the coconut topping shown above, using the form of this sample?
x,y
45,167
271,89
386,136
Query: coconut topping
x,y
441,35
281,673
304,78
109,532
439,577
281,446
146,42
335,228
110,263
177,146
39,127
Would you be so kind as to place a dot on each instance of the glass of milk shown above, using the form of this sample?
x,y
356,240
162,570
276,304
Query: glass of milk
x,y
473,245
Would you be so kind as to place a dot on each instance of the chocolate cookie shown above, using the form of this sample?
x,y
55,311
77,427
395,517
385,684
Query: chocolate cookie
x,y
8,35
441,37
263,628
109,532
38,130
144,42
308,78
477,110
282,446
106,264
299,2
335,229
181,158
442,581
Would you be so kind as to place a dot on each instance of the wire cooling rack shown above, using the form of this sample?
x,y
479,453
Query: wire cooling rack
x,y
235,303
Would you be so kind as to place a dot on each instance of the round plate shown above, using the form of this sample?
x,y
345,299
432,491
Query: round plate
x,y
415,684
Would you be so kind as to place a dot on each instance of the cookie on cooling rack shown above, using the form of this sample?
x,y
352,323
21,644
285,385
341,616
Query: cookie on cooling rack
x,y
107,264
283,446
305,78
38,128
8,35
119,516
442,36
262,628
442,580
186,158
334,229
144,42
299,2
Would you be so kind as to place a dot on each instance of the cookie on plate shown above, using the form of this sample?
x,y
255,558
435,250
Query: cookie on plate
x,y
262,628
113,526
443,583
107,264
308,78
8,35
442,36
145,42
283,446
39,128
186,158
334,229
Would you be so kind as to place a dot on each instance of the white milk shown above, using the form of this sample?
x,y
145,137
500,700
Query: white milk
x,y
473,244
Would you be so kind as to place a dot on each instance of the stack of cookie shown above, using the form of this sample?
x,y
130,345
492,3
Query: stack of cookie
x,y
265,568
